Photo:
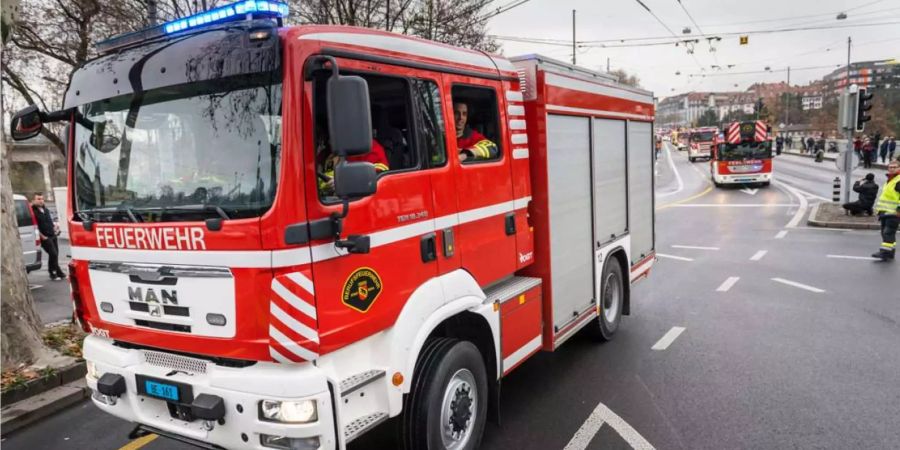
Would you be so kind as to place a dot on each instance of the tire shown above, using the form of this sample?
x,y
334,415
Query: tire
x,y
764,184
691,158
449,372
612,300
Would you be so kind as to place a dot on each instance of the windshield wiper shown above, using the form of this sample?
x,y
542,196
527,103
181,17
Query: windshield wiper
x,y
110,209
199,207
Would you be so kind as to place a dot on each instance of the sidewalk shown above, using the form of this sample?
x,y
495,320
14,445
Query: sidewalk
x,y
828,157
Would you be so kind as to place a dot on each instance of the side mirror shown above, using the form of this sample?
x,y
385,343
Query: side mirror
x,y
354,180
349,119
26,124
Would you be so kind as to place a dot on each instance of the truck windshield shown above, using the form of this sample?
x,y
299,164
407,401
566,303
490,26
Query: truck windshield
x,y
702,137
740,152
186,152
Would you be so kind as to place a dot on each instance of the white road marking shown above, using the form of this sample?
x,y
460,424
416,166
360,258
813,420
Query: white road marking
x,y
668,338
781,234
727,284
758,255
735,205
865,258
677,175
679,258
694,247
798,285
801,212
749,191
35,286
602,414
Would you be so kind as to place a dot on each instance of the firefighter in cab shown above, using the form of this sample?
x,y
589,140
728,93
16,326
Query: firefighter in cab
x,y
472,145
326,161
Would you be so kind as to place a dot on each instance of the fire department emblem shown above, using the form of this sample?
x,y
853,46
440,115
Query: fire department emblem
x,y
361,289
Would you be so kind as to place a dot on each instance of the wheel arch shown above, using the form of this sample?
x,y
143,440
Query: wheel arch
x,y
619,256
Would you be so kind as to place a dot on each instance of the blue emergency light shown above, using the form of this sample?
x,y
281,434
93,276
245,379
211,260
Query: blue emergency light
x,y
242,10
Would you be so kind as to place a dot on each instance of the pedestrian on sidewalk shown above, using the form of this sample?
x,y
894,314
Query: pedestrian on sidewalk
x,y
892,147
883,152
857,146
48,232
867,189
868,152
888,209
779,144
810,143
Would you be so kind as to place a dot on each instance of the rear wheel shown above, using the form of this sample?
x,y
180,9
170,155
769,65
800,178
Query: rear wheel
x,y
691,159
446,407
612,300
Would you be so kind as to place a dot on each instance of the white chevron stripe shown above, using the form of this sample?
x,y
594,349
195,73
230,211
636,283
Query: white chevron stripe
x,y
519,139
302,281
295,301
514,96
292,346
515,110
277,356
293,323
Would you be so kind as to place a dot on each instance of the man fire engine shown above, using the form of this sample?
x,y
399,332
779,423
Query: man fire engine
x,y
745,155
233,303
701,142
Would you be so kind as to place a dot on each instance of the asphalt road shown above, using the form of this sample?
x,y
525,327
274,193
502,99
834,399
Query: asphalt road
x,y
753,331
51,298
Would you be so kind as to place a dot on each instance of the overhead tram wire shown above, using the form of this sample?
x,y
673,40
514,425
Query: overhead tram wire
x,y
690,52
502,9
752,72
697,25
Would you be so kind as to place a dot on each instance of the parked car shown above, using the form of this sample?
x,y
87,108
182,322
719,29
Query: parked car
x,y
31,240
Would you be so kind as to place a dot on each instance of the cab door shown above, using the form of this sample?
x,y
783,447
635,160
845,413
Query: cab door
x,y
359,294
486,234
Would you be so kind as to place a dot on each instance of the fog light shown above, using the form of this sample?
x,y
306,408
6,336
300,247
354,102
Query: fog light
x,y
106,307
215,319
288,412
288,443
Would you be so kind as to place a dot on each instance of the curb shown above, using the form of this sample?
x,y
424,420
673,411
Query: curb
x,y
60,377
846,225
26,412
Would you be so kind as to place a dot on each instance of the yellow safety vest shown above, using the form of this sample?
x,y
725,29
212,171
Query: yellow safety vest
x,y
889,202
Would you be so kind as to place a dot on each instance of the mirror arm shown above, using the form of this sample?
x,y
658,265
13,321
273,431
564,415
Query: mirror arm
x,y
56,116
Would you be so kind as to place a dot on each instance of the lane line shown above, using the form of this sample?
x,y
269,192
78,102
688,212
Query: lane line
x,y
864,258
139,442
781,234
668,338
727,284
678,179
602,414
801,212
694,247
708,189
798,285
679,258
758,255
804,192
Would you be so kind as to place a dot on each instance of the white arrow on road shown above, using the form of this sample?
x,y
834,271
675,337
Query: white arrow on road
x,y
749,191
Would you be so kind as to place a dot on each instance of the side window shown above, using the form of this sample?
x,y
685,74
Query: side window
x,y
23,216
477,122
392,130
430,122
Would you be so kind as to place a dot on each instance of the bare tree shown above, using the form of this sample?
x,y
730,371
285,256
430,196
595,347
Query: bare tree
x,y
626,78
460,22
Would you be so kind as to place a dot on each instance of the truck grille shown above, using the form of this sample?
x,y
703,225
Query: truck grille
x,y
175,362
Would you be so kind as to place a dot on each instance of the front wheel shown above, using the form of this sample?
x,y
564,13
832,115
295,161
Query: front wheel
x,y
691,159
612,300
446,407
765,184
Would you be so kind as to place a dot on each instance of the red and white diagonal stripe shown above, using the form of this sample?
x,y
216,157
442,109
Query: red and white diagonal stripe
x,y
761,131
293,329
734,133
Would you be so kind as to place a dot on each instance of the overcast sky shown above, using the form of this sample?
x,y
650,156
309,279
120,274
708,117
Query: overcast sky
x,y
657,65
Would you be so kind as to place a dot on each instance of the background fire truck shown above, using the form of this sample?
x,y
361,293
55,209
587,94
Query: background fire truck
x,y
701,142
745,155
250,280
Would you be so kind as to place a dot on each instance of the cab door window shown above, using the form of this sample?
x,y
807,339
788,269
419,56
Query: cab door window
x,y
477,125
392,131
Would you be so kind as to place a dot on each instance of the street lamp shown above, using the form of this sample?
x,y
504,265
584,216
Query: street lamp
x,y
841,16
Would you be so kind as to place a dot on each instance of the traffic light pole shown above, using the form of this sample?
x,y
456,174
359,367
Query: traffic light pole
x,y
848,132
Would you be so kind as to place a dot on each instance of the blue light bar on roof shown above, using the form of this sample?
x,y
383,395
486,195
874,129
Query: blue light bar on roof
x,y
234,11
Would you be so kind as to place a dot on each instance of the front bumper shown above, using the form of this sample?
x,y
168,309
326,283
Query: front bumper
x,y
240,388
743,178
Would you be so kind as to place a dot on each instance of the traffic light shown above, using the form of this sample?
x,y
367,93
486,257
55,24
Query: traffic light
x,y
863,105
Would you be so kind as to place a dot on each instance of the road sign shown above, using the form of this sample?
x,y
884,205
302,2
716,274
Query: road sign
x,y
839,162
745,40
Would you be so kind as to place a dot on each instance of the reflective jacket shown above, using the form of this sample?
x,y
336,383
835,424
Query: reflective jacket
x,y
476,145
889,202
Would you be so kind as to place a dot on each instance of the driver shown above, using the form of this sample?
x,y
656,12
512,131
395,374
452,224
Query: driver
x,y
328,161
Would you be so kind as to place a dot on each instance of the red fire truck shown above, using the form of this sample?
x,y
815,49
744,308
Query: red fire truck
x,y
283,236
745,155
701,142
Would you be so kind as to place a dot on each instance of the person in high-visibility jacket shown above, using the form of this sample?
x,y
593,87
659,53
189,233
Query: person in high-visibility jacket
x,y
472,145
888,209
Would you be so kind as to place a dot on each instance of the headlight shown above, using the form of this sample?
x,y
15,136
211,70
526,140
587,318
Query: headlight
x,y
92,370
304,411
